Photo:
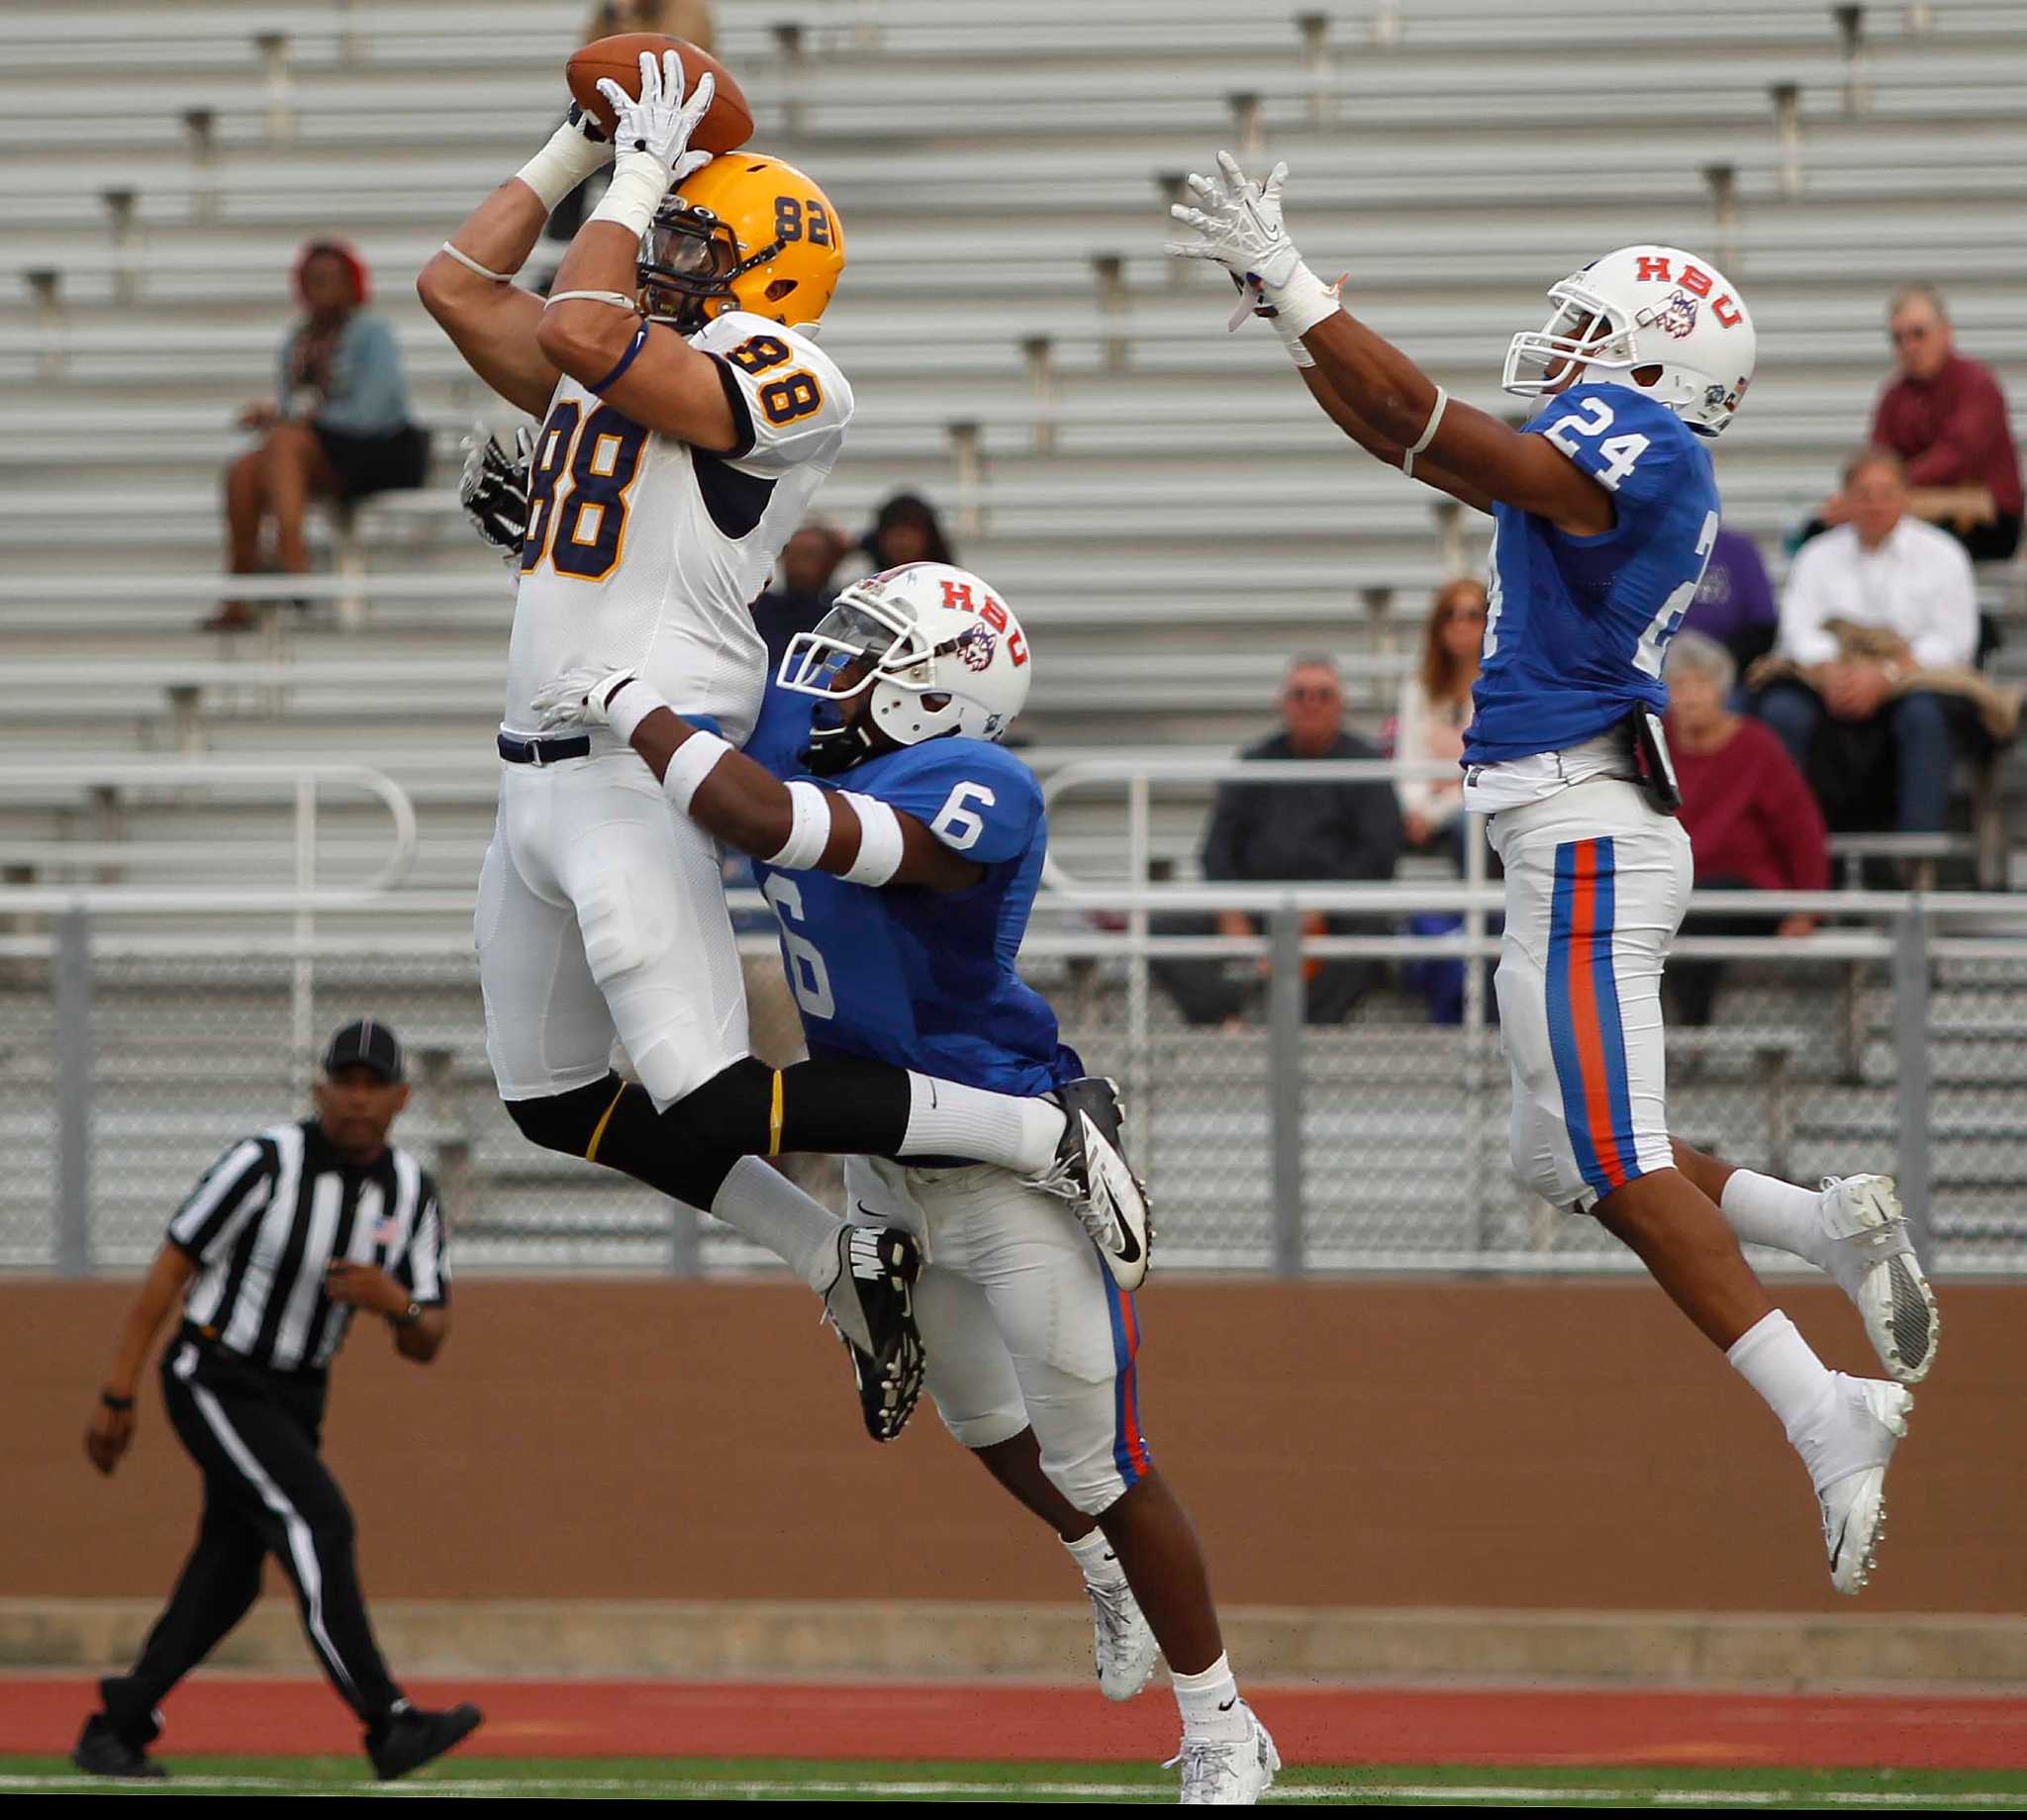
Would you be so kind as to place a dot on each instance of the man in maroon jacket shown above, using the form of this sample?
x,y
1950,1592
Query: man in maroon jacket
x,y
1946,418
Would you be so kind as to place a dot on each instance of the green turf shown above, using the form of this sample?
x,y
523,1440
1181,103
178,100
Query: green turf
x,y
702,1779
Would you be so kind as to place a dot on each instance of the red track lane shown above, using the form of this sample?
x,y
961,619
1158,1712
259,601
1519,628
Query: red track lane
x,y
974,1722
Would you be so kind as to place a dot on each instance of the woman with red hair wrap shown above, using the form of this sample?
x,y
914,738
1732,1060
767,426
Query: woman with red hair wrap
x,y
338,427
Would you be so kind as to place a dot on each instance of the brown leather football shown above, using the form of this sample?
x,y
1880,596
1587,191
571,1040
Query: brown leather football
x,y
728,125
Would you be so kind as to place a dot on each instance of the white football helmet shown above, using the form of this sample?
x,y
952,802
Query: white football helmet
x,y
942,655
1655,310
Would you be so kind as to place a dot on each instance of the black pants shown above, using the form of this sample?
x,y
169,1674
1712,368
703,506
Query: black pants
x,y
253,1434
1693,984
1205,992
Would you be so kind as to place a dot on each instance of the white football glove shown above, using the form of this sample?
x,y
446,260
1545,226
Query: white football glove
x,y
1240,225
660,122
578,698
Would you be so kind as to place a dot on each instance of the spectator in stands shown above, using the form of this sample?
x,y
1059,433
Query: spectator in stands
x,y
1433,710
338,428
1734,602
906,529
1946,418
800,593
1878,627
1753,824
1264,833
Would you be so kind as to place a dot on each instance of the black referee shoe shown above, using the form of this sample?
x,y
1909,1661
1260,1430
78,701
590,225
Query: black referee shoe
x,y
101,1751
411,1736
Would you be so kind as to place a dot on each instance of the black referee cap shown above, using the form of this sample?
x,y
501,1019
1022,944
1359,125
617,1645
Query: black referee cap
x,y
368,1042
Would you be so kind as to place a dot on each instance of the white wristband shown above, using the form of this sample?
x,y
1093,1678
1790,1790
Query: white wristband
x,y
472,266
1301,303
878,841
1428,432
629,705
640,182
693,761
562,164
810,832
605,296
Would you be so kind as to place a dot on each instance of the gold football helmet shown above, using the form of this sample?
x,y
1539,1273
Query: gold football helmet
x,y
746,233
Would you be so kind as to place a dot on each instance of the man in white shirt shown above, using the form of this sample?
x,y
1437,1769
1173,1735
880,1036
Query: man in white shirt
x,y
1869,604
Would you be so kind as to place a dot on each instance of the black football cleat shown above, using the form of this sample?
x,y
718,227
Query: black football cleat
x,y
101,1751
877,1269
410,1737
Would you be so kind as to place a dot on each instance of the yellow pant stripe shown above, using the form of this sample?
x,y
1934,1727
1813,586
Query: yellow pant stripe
x,y
599,1130
774,1118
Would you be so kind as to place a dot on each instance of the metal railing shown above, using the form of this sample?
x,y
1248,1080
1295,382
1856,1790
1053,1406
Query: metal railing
x,y
131,1052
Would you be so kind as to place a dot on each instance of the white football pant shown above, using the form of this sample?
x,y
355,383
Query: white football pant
x,y
601,913
1020,1321
1596,883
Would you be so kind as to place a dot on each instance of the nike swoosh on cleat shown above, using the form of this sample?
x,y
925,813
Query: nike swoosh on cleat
x,y
1227,1705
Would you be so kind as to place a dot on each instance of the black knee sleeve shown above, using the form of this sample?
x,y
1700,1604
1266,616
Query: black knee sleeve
x,y
565,1121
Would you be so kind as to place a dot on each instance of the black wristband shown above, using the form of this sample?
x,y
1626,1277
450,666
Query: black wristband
x,y
111,1401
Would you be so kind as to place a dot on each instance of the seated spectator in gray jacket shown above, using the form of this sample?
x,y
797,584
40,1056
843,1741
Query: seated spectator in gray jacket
x,y
1264,832
339,427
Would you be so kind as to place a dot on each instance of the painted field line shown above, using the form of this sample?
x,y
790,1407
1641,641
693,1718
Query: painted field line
x,y
1451,1794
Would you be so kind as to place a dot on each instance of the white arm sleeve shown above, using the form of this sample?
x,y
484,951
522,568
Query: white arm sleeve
x,y
810,832
879,857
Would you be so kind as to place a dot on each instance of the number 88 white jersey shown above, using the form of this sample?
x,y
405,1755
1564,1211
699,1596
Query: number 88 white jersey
x,y
642,552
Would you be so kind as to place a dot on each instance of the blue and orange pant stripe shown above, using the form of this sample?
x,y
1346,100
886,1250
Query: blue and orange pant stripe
x,y
1586,1034
1129,1445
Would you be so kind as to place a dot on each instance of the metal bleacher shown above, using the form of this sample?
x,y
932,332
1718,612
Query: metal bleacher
x,y
1157,498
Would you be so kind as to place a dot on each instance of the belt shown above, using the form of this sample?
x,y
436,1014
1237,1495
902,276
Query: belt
x,y
519,751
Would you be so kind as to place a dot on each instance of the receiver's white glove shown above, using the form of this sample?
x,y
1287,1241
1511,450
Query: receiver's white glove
x,y
661,123
1240,227
579,697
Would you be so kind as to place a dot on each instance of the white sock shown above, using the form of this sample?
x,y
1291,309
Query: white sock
x,y
1765,1210
1773,1358
764,1205
945,1119
1093,1554
1209,1703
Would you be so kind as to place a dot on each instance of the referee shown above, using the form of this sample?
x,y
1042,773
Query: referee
x,y
288,1234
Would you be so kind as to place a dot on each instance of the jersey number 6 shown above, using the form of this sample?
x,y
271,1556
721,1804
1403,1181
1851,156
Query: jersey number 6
x,y
583,524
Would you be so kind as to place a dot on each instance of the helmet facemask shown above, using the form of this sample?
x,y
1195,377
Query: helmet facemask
x,y
688,260
894,662
1586,331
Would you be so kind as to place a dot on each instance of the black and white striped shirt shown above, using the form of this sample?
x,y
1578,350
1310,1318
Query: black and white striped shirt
x,y
273,1213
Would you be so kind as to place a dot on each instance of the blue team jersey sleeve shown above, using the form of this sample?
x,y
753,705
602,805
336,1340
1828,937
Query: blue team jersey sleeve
x,y
977,799
1636,449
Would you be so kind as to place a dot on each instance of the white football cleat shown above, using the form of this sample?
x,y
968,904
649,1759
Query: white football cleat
x,y
1873,1260
1121,1640
1091,1172
1855,1505
1227,1773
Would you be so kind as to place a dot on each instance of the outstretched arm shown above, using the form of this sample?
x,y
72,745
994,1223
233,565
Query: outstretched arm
x,y
797,828
592,329
468,286
1387,404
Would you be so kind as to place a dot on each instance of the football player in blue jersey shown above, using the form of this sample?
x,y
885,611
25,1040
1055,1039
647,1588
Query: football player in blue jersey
x,y
901,848
1604,510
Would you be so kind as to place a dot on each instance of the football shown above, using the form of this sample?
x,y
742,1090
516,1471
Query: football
x,y
728,125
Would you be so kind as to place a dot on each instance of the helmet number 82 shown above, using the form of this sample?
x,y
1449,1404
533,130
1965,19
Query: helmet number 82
x,y
797,219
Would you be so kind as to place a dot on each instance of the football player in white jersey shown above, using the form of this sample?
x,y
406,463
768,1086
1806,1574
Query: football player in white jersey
x,y
1599,542
686,417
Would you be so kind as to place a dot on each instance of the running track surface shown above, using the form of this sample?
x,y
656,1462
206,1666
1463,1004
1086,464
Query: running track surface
x,y
974,1722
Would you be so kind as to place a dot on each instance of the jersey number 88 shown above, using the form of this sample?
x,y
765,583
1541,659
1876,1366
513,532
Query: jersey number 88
x,y
581,525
